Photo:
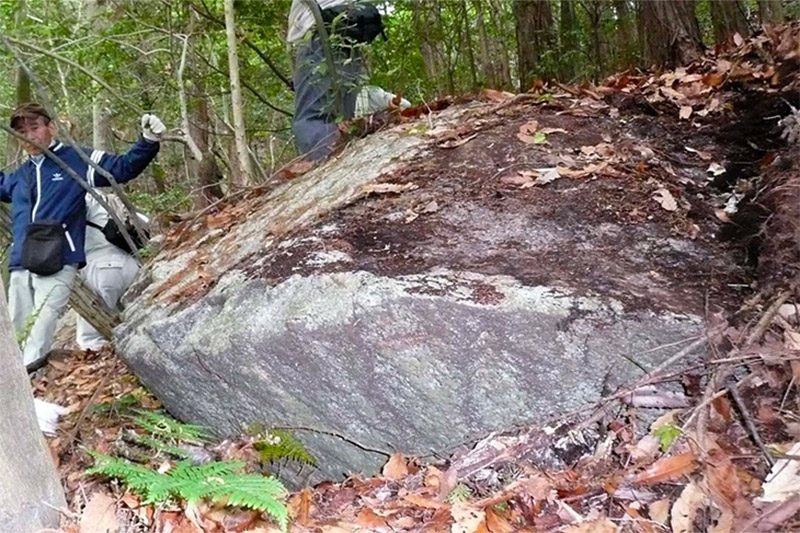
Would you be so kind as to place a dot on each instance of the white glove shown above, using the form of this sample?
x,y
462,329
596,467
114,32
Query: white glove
x,y
48,415
152,128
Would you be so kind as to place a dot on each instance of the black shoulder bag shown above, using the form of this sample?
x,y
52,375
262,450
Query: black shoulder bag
x,y
43,247
114,235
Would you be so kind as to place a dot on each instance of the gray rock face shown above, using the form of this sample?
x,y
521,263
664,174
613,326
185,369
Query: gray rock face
x,y
413,363
299,315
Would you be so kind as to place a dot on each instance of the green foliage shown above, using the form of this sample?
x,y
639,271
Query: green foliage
x,y
220,481
121,405
280,444
460,493
217,481
173,200
168,429
666,435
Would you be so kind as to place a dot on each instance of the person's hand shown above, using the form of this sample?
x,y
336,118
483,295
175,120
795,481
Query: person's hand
x,y
152,128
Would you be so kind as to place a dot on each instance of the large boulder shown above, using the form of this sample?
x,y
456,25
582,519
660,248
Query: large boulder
x,y
417,292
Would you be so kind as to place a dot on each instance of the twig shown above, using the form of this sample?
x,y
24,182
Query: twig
x,y
66,512
766,319
70,440
750,423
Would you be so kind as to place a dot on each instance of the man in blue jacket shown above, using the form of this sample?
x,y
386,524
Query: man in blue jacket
x,y
48,212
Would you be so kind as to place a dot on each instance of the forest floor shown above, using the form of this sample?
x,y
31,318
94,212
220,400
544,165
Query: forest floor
x,y
719,168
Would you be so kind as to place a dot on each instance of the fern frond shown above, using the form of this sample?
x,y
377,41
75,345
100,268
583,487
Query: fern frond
x,y
281,444
160,446
166,427
255,492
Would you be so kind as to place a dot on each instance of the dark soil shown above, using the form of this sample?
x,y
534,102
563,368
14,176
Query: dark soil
x,y
603,233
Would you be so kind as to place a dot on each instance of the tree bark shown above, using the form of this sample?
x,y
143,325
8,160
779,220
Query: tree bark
x,y
534,25
245,171
727,17
466,39
430,46
670,32
568,32
30,489
501,31
626,38
770,11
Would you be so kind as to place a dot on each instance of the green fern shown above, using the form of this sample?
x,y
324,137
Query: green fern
x,y
279,444
160,446
217,481
165,427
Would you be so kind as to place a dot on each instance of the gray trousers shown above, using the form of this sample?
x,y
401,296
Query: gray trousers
x,y
315,113
43,297
108,273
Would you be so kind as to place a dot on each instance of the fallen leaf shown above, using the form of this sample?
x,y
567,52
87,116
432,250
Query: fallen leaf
x,y
497,96
99,515
370,520
792,340
715,169
426,503
665,199
548,131
685,112
600,525
737,39
496,523
667,468
517,179
300,506
659,511
455,143
783,481
705,156
683,514
433,477
396,467
386,188
466,518
546,175
527,131
431,207
295,169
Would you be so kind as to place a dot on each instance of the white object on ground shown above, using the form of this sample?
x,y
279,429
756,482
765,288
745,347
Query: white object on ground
x,y
47,414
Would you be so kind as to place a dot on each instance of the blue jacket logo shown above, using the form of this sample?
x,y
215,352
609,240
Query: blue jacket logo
x,y
57,177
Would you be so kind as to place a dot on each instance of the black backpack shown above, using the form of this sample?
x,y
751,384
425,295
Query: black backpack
x,y
359,22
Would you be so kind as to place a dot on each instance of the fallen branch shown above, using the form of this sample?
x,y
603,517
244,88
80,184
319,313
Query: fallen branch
x,y
750,423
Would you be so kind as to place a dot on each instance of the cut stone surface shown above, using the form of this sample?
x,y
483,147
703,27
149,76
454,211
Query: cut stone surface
x,y
415,321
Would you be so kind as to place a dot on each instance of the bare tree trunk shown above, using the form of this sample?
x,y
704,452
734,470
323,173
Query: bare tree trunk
x,y
30,489
534,22
496,8
568,33
429,45
594,11
626,38
670,32
101,128
770,11
245,171
727,17
466,39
